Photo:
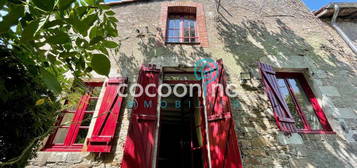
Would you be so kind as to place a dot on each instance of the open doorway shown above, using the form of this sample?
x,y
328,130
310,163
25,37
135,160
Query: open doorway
x,y
181,133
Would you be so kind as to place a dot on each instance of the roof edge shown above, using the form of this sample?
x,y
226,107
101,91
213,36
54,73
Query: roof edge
x,y
331,5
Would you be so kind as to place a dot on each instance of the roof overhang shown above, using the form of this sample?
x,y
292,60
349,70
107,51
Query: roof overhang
x,y
347,11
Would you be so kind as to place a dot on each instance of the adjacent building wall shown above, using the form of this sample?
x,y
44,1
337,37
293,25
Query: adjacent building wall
x,y
350,28
282,33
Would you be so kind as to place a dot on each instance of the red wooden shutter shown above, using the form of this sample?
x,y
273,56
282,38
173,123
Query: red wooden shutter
x,y
223,141
105,125
139,146
282,115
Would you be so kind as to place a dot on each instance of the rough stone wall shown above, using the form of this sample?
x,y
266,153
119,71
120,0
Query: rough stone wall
x,y
282,33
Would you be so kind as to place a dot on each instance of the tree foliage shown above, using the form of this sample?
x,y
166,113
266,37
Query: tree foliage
x,y
42,42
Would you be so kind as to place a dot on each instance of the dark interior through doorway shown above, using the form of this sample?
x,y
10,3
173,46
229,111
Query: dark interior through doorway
x,y
180,135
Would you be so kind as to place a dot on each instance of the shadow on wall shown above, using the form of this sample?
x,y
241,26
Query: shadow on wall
x,y
146,48
152,51
248,42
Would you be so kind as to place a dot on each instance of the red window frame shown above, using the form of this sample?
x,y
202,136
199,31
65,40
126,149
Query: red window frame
x,y
326,128
69,144
181,38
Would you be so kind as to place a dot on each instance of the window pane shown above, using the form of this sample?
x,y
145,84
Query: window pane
x,y
192,33
82,134
173,36
171,24
91,104
186,33
60,136
86,119
186,40
72,104
305,104
174,33
96,91
186,23
174,22
192,25
288,99
67,119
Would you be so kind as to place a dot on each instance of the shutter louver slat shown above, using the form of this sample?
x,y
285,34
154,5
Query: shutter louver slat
x,y
281,111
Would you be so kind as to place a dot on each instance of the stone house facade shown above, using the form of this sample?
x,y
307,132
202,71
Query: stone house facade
x,y
296,108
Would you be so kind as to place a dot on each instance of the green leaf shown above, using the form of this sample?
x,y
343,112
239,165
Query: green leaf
x,y
110,44
113,19
90,2
103,50
81,42
96,40
40,101
46,5
104,7
80,11
89,20
29,31
15,12
50,81
110,12
100,64
51,58
53,23
82,26
19,28
59,38
94,32
2,3
64,4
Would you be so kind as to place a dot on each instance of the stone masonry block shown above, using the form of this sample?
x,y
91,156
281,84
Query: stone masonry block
x,y
330,91
292,139
57,156
344,113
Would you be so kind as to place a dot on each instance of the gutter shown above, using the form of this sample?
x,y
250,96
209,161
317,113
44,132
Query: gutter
x,y
340,31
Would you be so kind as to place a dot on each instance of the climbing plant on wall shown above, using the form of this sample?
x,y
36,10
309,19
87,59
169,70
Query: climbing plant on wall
x,y
43,42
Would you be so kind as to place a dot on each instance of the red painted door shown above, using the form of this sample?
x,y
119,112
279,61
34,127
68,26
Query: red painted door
x,y
139,147
223,144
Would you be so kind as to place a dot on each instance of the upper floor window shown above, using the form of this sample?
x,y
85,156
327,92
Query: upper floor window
x,y
181,28
183,23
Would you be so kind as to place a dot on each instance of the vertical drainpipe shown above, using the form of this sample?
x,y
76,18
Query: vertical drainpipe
x,y
340,31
